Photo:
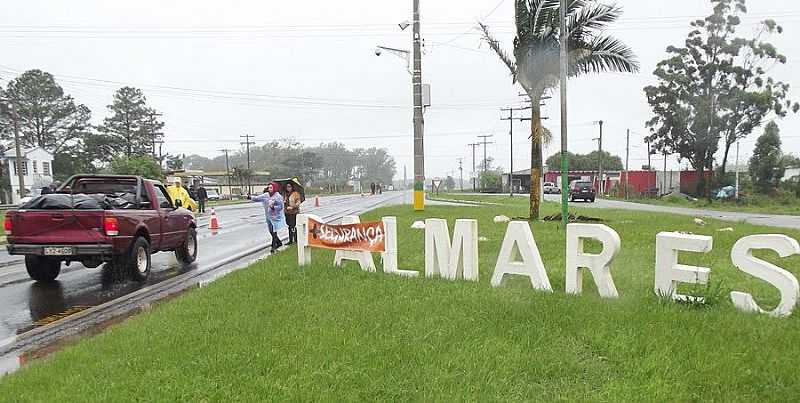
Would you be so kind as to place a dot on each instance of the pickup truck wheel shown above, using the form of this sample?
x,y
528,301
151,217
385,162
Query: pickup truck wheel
x,y
187,253
139,263
42,269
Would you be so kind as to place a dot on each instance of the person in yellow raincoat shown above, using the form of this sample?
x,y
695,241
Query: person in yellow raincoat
x,y
178,192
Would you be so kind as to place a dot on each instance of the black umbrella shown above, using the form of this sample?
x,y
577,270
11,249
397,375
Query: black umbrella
x,y
295,183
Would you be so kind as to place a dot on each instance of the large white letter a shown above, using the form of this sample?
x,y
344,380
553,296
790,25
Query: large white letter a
x,y
519,235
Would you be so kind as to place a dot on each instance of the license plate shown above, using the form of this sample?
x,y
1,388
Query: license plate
x,y
64,251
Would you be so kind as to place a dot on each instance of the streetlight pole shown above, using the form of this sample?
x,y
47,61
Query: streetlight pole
x,y
419,121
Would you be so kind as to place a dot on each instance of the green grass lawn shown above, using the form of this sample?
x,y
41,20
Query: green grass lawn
x,y
787,205
275,332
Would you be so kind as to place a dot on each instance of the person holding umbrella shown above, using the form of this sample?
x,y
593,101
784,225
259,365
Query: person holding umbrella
x,y
292,200
272,201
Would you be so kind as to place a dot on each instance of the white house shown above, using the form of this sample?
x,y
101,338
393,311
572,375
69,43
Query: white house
x,y
37,171
791,172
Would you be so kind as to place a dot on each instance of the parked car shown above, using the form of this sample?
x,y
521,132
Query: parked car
x,y
582,190
213,194
551,188
96,219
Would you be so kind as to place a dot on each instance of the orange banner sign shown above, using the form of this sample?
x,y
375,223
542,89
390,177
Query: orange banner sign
x,y
359,237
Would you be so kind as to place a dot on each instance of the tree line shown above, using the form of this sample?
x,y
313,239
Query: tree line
x,y
128,141
330,166
48,117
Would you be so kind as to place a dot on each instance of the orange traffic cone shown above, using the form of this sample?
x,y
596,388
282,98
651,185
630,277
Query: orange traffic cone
x,y
316,201
214,223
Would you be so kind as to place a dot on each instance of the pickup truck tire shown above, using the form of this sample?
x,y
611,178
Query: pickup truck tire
x,y
187,253
42,269
138,263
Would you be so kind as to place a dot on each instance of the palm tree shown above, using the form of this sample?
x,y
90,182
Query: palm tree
x,y
536,58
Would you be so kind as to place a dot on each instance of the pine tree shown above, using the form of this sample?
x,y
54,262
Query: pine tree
x,y
766,169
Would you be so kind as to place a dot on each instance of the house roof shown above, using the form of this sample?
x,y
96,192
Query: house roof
x,y
12,153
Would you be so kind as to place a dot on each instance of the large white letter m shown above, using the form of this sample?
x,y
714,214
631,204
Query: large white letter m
x,y
451,260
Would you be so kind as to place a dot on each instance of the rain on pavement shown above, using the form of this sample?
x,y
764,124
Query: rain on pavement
x,y
27,304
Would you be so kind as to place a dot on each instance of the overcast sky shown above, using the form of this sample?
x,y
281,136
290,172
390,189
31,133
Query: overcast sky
x,y
308,70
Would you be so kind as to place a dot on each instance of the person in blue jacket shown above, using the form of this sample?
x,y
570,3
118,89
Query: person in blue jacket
x,y
272,201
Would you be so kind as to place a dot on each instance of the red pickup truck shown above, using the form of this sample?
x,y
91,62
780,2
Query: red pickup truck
x,y
96,219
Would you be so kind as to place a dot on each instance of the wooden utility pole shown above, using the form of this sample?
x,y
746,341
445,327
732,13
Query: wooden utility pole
x,y
21,160
247,143
227,166
461,173
510,120
627,160
600,158
485,163
473,145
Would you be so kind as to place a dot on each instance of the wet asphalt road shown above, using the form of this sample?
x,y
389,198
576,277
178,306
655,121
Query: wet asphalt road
x,y
25,304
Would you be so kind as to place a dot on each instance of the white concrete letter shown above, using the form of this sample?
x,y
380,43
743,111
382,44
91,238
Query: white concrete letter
x,y
669,272
451,260
303,250
598,265
363,258
390,255
519,239
785,282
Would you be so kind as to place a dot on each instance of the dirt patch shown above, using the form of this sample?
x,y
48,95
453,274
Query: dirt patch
x,y
573,218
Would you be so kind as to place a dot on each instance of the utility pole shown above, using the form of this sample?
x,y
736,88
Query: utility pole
x,y
737,170
562,11
627,161
227,166
473,145
664,175
485,163
461,173
510,120
20,158
405,178
649,164
600,157
152,126
248,143
419,121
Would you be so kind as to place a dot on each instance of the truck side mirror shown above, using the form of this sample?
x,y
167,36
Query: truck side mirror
x,y
178,203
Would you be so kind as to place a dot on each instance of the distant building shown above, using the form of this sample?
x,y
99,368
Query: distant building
x,y
790,173
37,171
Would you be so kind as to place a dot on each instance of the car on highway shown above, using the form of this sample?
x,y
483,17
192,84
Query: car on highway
x,y
551,188
96,219
582,190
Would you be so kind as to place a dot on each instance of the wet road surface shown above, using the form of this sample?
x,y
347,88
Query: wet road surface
x,y
25,304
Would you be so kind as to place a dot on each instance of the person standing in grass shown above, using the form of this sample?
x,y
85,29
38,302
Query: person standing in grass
x,y
272,201
292,201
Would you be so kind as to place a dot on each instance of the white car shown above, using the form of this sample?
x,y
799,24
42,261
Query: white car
x,y
213,194
550,187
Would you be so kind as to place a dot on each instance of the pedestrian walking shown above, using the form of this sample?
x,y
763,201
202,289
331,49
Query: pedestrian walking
x,y
272,201
372,188
292,201
202,197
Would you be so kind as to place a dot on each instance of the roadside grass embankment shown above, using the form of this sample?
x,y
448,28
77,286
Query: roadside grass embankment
x,y
276,332
787,204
